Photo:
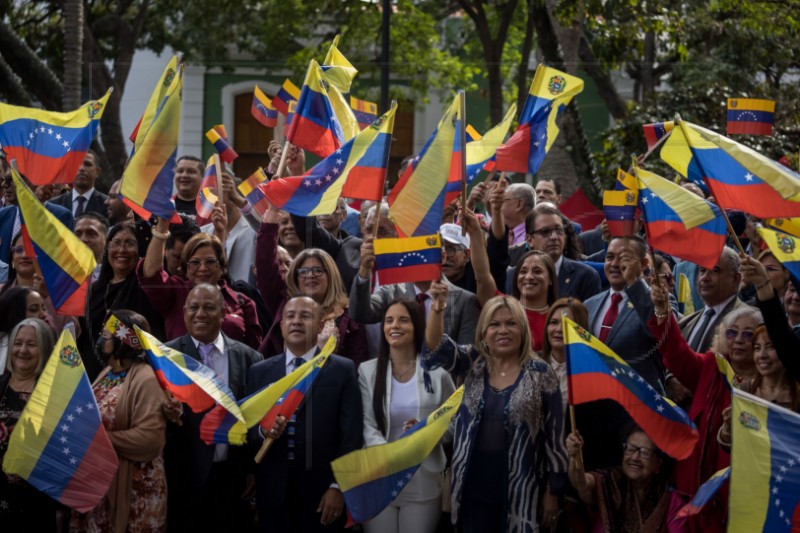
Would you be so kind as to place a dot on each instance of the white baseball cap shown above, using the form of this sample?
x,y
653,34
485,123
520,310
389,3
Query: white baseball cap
x,y
452,234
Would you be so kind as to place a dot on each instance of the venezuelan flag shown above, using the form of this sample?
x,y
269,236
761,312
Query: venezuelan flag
x,y
750,116
685,301
739,178
679,222
625,181
786,225
408,259
263,110
704,494
59,444
219,138
252,192
65,262
148,178
371,478
620,210
338,73
550,93
206,199
289,117
187,379
156,103
656,131
280,398
481,150
765,470
289,92
784,247
314,126
594,372
49,147
365,112
417,200
356,170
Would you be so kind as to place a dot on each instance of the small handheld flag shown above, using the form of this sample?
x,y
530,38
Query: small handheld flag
x,y
263,110
289,92
252,192
219,138
59,444
206,199
750,116
408,259
784,247
656,131
704,494
620,210
365,112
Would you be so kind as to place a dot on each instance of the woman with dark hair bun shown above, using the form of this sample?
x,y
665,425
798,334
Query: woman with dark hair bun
x,y
396,393
131,404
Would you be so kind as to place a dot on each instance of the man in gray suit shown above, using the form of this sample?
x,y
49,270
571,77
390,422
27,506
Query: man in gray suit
x,y
718,287
367,306
618,317
206,481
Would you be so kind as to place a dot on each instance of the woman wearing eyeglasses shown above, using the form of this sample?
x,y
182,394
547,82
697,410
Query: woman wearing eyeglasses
x,y
117,287
203,260
631,498
313,273
701,374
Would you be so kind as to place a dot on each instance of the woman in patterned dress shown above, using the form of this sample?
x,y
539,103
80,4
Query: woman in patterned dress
x,y
23,508
131,403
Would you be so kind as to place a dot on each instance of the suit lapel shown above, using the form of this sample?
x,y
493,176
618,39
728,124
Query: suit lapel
x,y
235,370
627,309
188,348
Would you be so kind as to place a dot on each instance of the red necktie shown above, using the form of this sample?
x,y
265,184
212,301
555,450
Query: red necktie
x,y
421,297
611,316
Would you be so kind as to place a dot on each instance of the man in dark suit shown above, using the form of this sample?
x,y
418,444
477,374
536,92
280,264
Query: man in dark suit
x,y
618,317
84,198
718,288
205,482
295,487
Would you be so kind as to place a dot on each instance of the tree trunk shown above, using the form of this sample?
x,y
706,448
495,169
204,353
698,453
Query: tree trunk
x,y
605,85
34,73
523,83
11,88
73,53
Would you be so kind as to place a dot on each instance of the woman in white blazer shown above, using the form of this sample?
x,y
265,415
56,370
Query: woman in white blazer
x,y
396,393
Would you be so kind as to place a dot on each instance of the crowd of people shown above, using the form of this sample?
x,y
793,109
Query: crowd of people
x,y
254,297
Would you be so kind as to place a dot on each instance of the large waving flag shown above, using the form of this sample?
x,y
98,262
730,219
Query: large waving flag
x,y
704,494
148,179
187,379
550,93
65,262
408,259
417,200
281,398
252,192
480,150
785,248
679,222
739,178
263,110
656,131
765,469
356,170
49,147
157,100
289,92
750,116
314,126
371,478
59,444
594,372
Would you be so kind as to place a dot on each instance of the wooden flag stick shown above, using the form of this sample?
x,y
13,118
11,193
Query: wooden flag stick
x,y
264,449
579,458
733,233
462,94
282,164
220,190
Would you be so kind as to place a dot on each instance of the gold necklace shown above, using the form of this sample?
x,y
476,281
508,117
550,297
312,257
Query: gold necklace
x,y
402,376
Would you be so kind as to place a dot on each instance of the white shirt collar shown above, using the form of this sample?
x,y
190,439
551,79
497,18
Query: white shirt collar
x,y
306,356
720,306
558,264
87,194
219,343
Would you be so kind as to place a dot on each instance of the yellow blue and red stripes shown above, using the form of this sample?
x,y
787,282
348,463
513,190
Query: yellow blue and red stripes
x,y
619,206
289,92
65,262
785,247
750,116
656,131
263,110
679,222
252,192
549,94
49,147
365,112
356,170
206,199
59,444
594,372
371,478
408,259
219,138
704,494
314,126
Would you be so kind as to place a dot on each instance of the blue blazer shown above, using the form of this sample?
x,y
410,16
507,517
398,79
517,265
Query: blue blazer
x,y
8,215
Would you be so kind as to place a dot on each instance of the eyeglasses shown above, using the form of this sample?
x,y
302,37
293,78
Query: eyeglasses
x,y
546,232
452,250
746,334
666,277
308,272
630,450
129,244
208,263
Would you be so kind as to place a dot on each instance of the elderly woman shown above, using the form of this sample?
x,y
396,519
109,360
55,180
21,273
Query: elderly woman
x,y
131,404
203,260
700,373
313,273
631,498
30,344
509,440
17,304
396,393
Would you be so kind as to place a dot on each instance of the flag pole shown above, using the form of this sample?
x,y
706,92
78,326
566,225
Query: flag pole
x,y
220,190
264,449
579,458
386,171
282,164
462,94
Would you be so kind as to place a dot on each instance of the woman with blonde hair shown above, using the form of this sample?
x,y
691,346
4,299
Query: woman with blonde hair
x,y
313,273
509,433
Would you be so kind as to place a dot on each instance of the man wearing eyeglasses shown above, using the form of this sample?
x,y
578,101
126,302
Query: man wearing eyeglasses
x,y
518,201
718,288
